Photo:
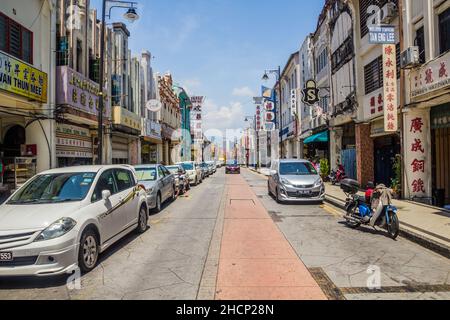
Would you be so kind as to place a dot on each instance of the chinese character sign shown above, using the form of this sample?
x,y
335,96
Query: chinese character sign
x,y
390,88
417,161
22,79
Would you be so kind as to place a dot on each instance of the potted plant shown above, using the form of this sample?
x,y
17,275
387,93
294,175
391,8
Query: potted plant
x,y
396,183
324,169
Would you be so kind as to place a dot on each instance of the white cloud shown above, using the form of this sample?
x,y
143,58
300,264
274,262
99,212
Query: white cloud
x,y
243,92
223,118
191,85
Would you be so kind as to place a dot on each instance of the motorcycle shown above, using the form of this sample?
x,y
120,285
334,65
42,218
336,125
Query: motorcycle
x,y
376,211
338,175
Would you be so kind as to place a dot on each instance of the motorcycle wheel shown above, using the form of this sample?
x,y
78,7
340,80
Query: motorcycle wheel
x,y
350,223
393,226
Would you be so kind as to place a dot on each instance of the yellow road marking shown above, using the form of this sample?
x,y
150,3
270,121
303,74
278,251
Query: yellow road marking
x,y
155,221
332,211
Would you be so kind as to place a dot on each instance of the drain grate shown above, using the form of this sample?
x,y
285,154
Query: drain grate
x,y
331,291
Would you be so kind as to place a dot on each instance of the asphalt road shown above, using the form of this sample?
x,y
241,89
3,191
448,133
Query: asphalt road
x,y
166,262
169,261
340,257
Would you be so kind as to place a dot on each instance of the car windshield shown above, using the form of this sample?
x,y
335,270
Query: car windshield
x,y
173,169
297,169
188,166
146,174
55,188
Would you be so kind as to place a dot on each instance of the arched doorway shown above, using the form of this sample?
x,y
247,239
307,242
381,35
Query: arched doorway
x,y
14,138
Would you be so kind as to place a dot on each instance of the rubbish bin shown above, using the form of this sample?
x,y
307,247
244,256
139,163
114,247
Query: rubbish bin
x,y
439,197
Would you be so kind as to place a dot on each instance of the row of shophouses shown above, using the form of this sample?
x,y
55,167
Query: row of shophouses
x,y
347,125
49,94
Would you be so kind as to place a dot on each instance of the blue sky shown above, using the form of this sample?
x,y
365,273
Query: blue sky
x,y
220,48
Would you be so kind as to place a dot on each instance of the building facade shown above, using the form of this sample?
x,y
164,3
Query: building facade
x,y
426,115
27,95
170,121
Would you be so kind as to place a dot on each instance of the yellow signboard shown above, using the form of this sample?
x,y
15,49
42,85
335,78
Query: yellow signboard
x,y
22,79
126,118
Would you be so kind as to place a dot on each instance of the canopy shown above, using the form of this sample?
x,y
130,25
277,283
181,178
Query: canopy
x,y
320,137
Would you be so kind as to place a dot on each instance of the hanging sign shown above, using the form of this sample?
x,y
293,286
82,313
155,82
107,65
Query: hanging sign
x,y
310,93
390,88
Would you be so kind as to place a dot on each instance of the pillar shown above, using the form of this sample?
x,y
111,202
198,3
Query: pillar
x,y
364,154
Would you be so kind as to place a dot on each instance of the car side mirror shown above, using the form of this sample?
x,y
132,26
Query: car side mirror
x,y
273,172
106,194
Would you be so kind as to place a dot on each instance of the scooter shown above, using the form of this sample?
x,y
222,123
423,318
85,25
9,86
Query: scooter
x,y
338,175
376,210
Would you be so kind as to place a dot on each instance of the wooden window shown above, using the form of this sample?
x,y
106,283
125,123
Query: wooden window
x,y
444,31
15,39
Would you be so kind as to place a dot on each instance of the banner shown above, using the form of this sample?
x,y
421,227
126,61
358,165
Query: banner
x,y
22,79
390,88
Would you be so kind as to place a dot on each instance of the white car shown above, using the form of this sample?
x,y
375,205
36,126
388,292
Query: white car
x,y
64,218
194,172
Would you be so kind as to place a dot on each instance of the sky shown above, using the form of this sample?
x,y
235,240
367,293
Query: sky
x,y
220,48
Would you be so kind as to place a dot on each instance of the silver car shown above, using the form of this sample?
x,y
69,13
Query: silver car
x,y
159,183
295,181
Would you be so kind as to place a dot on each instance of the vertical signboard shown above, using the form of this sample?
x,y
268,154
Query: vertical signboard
x,y
390,88
417,158
293,102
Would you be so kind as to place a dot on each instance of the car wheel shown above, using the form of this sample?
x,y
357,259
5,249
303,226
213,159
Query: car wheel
x,y
174,194
142,220
89,251
268,189
158,203
278,197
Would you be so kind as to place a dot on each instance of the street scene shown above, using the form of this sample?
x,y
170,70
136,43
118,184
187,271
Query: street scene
x,y
303,161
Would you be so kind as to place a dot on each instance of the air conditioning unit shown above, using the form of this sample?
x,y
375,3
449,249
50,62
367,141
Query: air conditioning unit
x,y
410,58
389,12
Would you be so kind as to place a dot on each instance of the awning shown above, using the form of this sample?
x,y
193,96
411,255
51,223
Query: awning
x,y
320,137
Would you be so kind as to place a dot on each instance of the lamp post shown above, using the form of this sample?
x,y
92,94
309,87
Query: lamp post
x,y
265,77
131,16
253,119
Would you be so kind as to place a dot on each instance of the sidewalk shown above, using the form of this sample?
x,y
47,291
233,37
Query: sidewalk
x,y
426,225
256,261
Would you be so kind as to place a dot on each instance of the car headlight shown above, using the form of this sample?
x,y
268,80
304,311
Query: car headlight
x,y
318,183
57,229
285,182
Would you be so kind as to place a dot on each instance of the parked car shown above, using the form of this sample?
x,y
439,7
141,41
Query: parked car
x,y
181,178
295,181
213,166
159,183
232,167
206,170
193,171
64,218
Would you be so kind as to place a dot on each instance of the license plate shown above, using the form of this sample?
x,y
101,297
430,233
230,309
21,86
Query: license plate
x,y
303,192
6,256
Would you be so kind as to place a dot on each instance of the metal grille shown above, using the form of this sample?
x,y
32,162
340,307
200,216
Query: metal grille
x,y
19,262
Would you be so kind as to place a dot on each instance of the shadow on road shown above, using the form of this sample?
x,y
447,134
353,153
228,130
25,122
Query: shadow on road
x,y
20,283
367,229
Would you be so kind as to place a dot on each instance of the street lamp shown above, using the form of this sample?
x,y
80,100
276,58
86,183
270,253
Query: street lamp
x,y
266,77
131,16
253,120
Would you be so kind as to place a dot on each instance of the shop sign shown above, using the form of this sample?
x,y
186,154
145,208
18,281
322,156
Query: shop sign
x,y
390,88
22,79
79,92
151,129
123,117
310,93
416,153
431,77
73,142
382,35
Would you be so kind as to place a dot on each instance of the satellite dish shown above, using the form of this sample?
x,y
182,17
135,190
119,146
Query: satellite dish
x,y
153,105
